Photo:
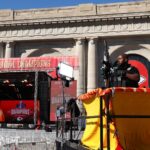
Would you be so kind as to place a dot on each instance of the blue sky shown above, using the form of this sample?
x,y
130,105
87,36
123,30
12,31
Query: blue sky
x,y
27,4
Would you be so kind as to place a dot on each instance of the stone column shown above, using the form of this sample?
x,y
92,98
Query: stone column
x,y
1,49
9,50
80,52
91,69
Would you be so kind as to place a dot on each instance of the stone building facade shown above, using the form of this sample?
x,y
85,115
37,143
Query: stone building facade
x,y
78,31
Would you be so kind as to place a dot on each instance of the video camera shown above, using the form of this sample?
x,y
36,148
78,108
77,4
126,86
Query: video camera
x,y
113,73
106,69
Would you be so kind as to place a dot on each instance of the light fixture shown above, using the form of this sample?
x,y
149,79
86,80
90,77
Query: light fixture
x,y
65,71
24,81
6,81
11,84
29,84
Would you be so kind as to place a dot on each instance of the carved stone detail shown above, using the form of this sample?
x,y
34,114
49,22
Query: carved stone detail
x,y
25,32
14,32
111,27
117,26
137,26
72,29
9,44
48,31
37,32
93,40
61,30
3,33
98,28
80,41
86,29
124,27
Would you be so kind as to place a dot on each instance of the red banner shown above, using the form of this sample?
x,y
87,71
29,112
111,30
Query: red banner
x,y
57,96
36,63
17,111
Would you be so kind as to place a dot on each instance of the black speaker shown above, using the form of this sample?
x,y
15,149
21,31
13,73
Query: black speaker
x,y
44,97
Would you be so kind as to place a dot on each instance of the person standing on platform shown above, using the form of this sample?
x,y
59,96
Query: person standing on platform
x,y
125,75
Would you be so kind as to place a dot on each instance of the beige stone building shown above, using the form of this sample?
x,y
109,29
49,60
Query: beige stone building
x,y
78,31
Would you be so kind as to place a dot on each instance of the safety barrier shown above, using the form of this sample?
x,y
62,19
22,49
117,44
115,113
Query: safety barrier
x,y
26,139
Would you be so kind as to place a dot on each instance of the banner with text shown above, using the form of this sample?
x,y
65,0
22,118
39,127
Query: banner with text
x,y
36,63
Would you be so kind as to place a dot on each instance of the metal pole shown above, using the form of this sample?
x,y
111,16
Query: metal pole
x,y
71,124
35,98
63,116
108,121
101,123
57,127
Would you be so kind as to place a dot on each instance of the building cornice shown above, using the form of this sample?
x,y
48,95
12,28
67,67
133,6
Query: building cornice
x,y
88,24
80,13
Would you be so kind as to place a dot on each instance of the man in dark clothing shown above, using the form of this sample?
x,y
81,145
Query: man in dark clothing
x,y
125,75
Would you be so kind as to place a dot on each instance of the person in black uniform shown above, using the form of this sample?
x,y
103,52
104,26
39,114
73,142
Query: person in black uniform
x,y
125,75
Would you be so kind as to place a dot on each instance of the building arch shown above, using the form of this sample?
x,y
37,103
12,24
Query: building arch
x,y
43,51
131,49
138,56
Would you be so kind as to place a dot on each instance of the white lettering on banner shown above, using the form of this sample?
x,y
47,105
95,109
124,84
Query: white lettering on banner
x,y
20,111
59,100
34,64
44,63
